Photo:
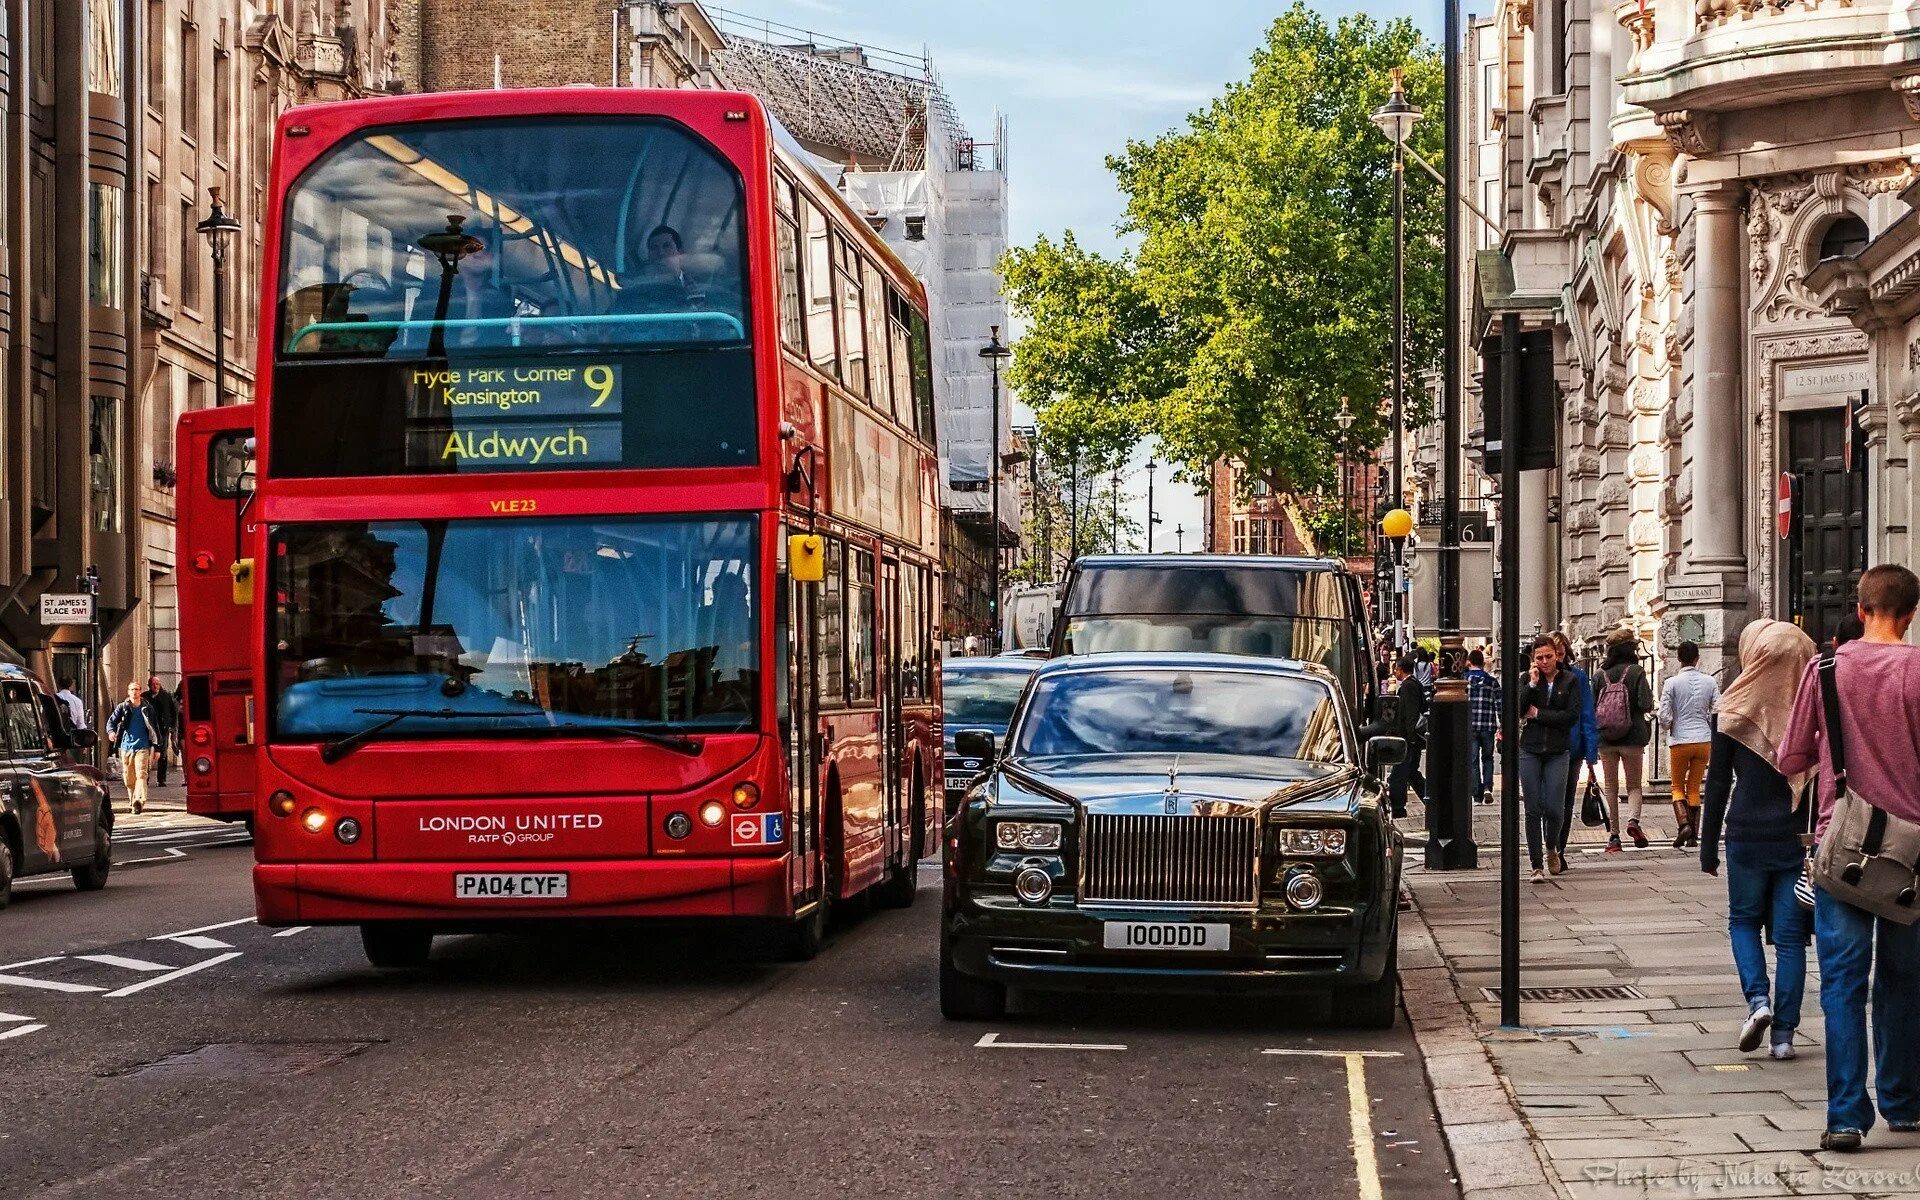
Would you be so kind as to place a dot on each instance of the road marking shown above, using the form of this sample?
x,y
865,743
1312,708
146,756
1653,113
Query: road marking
x,y
294,930
172,853
201,942
991,1041
1335,1053
8,1018
131,964
20,1031
51,985
1360,1115
170,976
31,962
161,937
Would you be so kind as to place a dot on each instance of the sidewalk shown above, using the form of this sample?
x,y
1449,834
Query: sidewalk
x,y
1644,1095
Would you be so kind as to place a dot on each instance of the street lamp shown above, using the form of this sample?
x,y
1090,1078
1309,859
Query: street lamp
x,y
994,351
1396,119
1152,520
219,229
1345,421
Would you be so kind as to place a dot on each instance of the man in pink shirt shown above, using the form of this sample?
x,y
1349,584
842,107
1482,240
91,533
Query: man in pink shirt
x,y
1878,678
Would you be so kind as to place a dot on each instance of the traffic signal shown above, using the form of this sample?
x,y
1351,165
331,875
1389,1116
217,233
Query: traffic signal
x,y
1539,403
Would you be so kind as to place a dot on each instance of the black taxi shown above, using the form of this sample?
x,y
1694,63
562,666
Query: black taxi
x,y
54,811
1175,822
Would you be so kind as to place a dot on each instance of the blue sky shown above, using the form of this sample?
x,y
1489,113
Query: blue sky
x,y
1076,79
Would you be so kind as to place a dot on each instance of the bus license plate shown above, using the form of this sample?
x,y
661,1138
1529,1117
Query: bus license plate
x,y
1165,935
503,885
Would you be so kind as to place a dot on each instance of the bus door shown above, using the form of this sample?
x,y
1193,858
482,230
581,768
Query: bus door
x,y
796,641
892,722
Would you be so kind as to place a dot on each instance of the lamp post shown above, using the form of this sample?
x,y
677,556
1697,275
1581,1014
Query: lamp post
x,y
1396,119
1152,520
219,228
994,351
1345,421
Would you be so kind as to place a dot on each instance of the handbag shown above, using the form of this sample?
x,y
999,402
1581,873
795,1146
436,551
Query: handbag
x,y
1593,809
1810,804
1869,857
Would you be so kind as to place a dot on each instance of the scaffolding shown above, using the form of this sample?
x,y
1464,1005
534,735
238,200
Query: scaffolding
x,y
866,104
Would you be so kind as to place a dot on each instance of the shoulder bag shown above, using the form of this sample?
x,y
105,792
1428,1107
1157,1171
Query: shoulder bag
x,y
1869,857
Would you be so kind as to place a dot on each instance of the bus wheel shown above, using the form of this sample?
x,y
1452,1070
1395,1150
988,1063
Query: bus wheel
x,y
93,876
392,945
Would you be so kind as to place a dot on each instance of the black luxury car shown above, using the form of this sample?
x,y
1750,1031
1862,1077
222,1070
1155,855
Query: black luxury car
x,y
1174,822
54,814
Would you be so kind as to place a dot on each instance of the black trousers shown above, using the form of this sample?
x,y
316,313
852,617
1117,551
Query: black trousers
x,y
1406,774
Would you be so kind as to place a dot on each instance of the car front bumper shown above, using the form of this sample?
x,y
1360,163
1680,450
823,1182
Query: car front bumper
x,y
1059,947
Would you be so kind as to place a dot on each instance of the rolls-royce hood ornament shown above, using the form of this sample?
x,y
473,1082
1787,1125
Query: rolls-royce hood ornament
x,y
1172,795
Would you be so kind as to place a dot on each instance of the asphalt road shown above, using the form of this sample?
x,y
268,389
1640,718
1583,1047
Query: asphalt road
x,y
197,1054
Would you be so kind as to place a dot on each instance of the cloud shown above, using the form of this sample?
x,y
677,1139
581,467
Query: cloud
x,y
1059,79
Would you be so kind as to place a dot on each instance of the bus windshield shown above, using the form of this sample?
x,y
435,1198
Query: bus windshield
x,y
517,627
513,294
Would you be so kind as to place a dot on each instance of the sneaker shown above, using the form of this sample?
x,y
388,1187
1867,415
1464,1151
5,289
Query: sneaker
x,y
1634,832
1613,845
1539,876
1904,1126
1783,1051
137,806
1755,1029
1557,864
1843,1140
1486,797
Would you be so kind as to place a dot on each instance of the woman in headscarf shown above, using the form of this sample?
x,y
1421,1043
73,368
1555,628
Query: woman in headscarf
x,y
1763,829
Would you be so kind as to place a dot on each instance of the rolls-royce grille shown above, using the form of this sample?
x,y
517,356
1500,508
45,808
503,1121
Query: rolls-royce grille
x,y
1171,860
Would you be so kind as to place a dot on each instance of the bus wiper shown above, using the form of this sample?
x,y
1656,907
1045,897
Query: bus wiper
x,y
333,752
646,733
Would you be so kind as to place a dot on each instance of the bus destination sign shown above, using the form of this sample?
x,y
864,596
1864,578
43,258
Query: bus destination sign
x,y
501,416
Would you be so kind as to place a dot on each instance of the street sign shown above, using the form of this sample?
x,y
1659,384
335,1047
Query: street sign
x,y
1783,507
66,608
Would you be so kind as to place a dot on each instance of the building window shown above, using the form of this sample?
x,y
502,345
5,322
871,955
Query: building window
x,y
160,418
189,80
1846,237
103,463
106,208
222,118
157,56
103,49
45,463
1239,535
156,230
189,256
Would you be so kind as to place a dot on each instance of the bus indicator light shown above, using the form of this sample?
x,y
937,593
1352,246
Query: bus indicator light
x,y
806,558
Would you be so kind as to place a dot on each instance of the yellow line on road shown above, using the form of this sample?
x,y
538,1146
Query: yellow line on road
x,y
1360,1114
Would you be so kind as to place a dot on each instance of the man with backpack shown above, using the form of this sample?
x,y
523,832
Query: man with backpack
x,y
1873,686
1621,709
133,733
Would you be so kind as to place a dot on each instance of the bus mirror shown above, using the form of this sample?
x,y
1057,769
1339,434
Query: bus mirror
x,y
242,571
806,558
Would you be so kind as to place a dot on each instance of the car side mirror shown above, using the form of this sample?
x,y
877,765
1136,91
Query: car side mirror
x,y
974,743
82,739
1385,751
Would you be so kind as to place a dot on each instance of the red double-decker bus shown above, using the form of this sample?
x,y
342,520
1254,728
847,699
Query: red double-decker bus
x,y
597,537
214,450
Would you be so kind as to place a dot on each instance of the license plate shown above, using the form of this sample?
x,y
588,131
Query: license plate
x,y
1165,935
506,885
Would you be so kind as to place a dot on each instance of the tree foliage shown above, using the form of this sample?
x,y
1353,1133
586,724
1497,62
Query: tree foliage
x,y
1258,294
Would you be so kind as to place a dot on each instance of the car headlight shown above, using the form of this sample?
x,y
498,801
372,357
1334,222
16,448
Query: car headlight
x,y
1027,835
1313,843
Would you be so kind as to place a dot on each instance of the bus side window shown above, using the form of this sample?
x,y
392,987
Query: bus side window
x,y
860,627
831,606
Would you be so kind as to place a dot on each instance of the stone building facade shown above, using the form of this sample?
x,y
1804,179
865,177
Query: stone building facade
x,y
1677,173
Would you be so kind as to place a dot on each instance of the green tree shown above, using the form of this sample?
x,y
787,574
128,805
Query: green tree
x,y
1259,292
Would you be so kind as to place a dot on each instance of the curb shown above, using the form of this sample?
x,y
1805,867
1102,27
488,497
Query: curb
x,y
1496,1155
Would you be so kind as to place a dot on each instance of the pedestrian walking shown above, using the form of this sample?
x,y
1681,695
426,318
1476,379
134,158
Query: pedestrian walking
x,y
165,712
75,706
1583,745
1623,713
131,729
1877,681
1550,708
1423,666
1409,723
1483,723
1686,712
1755,803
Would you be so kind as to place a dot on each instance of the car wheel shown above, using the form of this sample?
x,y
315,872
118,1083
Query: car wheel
x,y
93,876
1372,1005
395,945
6,870
965,998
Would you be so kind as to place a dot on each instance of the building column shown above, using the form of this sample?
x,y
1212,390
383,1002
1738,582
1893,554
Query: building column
x,y
1539,582
1716,442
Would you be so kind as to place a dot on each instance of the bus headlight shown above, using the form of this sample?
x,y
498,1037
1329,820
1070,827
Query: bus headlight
x,y
347,830
313,820
679,825
712,813
203,765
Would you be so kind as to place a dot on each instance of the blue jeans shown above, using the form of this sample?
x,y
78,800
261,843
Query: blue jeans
x,y
1480,762
1854,946
1760,879
1543,785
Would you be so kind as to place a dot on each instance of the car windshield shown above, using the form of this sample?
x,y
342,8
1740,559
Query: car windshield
x,y
1180,711
526,294
567,623
982,695
1308,639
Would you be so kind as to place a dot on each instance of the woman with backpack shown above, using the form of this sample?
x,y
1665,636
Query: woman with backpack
x,y
1621,710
